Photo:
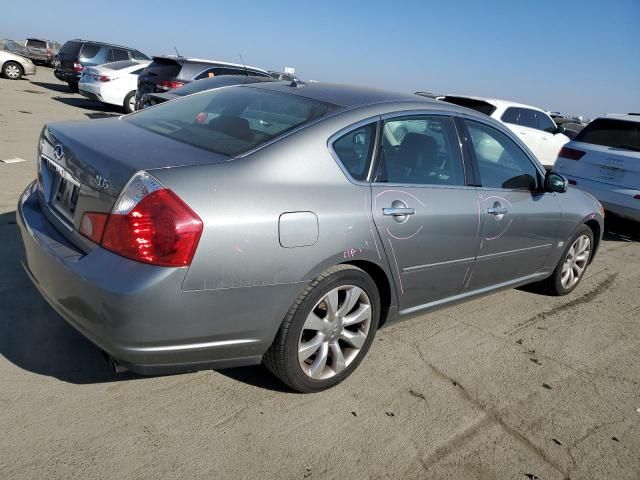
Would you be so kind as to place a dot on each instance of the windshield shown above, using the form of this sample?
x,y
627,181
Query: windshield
x,y
231,120
611,132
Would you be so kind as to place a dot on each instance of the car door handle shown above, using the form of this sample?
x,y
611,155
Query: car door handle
x,y
497,211
398,212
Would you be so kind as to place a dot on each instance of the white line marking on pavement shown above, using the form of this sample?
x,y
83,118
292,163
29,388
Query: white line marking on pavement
x,y
13,160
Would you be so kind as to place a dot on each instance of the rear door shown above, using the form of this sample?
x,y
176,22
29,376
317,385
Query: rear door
x,y
608,151
424,209
519,219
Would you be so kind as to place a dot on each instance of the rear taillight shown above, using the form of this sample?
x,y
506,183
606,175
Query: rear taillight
x,y
637,197
572,182
149,223
92,225
77,67
571,153
103,78
168,84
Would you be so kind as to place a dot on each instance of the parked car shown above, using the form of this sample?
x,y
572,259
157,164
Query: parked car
x,y
113,83
151,99
42,51
13,47
282,223
76,55
604,160
534,127
14,66
167,73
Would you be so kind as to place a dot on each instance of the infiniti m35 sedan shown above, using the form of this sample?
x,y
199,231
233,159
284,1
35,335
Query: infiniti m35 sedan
x,y
285,223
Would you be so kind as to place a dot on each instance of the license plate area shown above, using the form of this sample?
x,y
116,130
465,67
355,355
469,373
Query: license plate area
x,y
60,190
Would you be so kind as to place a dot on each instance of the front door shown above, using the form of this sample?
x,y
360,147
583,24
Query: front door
x,y
426,215
520,220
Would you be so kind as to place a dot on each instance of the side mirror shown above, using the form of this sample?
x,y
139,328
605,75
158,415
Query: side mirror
x,y
560,129
554,182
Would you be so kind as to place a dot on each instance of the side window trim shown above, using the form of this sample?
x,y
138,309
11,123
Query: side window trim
x,y
476,168
374,154
467,173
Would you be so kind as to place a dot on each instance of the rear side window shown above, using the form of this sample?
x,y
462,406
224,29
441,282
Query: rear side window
x,y
117,55
232,120
354,149
89,50
477,105
610,132
528,118
501,162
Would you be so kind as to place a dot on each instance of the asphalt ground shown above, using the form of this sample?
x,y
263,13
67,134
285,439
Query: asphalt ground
x,y
516,385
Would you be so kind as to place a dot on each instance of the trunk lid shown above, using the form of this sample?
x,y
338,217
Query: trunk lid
x,y
160,69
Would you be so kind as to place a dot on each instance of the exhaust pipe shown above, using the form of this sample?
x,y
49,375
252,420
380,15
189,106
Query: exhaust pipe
x,y
117,367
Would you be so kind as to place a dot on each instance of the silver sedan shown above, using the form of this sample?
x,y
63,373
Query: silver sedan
x,y
285,223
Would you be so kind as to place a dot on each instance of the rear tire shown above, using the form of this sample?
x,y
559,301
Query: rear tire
x,y
327,332
572,264
129,102
74,87
12,71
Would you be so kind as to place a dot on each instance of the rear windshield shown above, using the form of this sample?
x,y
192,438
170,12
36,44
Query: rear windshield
x,y
119,65
216,82
71,49
477,105
164,68
232,120
36,43
611,132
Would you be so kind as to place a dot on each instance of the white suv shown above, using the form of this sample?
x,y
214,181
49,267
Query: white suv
x,y
534,127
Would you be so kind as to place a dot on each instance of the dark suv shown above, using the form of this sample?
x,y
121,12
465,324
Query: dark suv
x,y
166,73
76,55
42,51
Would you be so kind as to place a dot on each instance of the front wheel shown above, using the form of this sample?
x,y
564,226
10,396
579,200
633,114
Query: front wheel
x,y
327,331
573,263
12,71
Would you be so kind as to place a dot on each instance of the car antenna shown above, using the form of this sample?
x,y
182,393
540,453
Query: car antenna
x,y
176,49
244,65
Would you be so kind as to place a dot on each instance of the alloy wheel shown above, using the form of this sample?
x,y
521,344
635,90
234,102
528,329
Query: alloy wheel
x,y
334,332
576,261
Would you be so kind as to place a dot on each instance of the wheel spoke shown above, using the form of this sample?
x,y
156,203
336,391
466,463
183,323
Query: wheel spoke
x,y
577,270
337,358
309,348
317,367
331,302
350,300
362,313
583,256
313,322
355,339
571,277
565,267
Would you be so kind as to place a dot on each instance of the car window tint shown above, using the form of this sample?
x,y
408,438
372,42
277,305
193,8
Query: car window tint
x,y
510,115
231,120
219,71
610,132
89,50
36,43
527,118
477,105
545,123
136,55
354,150
422,150
502,163
117,54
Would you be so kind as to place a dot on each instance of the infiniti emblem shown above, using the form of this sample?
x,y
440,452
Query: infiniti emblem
x,y
58,152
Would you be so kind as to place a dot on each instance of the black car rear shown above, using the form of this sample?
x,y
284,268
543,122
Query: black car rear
x,y
75,55
167,73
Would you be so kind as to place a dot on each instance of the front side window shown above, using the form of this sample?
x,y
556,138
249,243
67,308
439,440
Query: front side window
x,y
230,121
136,55
422,150
354,149
545,123
502,163
510,115
528,118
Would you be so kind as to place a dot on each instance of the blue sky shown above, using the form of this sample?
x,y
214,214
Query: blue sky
x,y
578,57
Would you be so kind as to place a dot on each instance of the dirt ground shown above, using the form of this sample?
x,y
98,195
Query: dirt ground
x,y
515,385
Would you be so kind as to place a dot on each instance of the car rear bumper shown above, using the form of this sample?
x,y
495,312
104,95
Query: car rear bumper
x,y
67,75
618,200
138,313
90,92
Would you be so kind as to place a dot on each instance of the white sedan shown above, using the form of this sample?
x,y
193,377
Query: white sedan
x,y
531,124
604,160
113,83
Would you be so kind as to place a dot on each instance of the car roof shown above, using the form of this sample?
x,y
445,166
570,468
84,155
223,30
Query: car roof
x,y
208,62
346,96
106,44
624,116
496,102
